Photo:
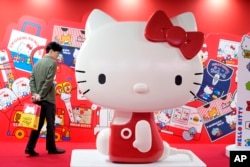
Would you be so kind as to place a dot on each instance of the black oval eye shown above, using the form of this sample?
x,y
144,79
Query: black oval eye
x,y
178,80
101,78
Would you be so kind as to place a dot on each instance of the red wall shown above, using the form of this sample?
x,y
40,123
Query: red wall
x,y
231,17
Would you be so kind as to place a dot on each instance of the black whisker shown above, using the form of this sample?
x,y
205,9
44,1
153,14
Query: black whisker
x,y
196,83
198,73
192,94
81,81
86,91
80,71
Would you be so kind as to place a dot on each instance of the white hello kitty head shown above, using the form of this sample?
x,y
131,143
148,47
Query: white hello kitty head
x,y
245,45
208,90
231,119
30,110
164,116
24,48
122,67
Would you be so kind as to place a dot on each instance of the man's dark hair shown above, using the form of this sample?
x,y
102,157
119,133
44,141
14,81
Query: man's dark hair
x,y
54,46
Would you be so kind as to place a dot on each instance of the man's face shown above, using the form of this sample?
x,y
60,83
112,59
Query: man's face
x,y
55,54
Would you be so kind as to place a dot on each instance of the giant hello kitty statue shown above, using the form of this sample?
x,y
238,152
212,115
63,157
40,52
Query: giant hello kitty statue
x,y
136,68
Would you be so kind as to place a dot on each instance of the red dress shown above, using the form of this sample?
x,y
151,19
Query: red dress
x,y
121,149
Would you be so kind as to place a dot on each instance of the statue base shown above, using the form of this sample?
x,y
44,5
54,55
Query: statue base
x,y
91,157
234,147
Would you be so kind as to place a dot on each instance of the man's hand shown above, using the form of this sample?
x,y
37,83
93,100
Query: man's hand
x,y
36,97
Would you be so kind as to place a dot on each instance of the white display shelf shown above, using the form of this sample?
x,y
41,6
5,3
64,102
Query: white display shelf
x,y
92,158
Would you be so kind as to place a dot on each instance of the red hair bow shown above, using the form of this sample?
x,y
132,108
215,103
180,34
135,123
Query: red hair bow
x,y
159,29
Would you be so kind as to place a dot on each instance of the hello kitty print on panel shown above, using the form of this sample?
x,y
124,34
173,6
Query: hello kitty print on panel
x,y
136,68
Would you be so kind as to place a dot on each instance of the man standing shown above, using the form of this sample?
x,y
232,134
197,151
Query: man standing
x,y
43,94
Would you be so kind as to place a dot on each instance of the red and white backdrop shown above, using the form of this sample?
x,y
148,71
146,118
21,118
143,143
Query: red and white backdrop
x,y
209,118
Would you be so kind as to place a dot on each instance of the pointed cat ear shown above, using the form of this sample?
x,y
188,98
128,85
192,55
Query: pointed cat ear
x,y
96,19
186,21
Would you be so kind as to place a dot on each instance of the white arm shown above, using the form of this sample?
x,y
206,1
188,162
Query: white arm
x,y
143,136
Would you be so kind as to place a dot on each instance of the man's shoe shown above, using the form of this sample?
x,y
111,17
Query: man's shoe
x,y
31,152
56,151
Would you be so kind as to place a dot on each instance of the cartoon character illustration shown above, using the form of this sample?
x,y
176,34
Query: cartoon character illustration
x,y
105,116
137,68
248,105
207,92
203,53
7,98
216,132
24,48
213,113
66,37
228,52
21,87
188,135
60,59
246,47
231,120
3,56
29,110
82,115
6,69
81,36
163,118
64,90
247,141
58,120
234,101
216,81
17,117
75,54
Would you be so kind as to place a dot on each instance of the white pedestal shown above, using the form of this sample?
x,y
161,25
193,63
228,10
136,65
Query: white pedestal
x,y
91,157
233,147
